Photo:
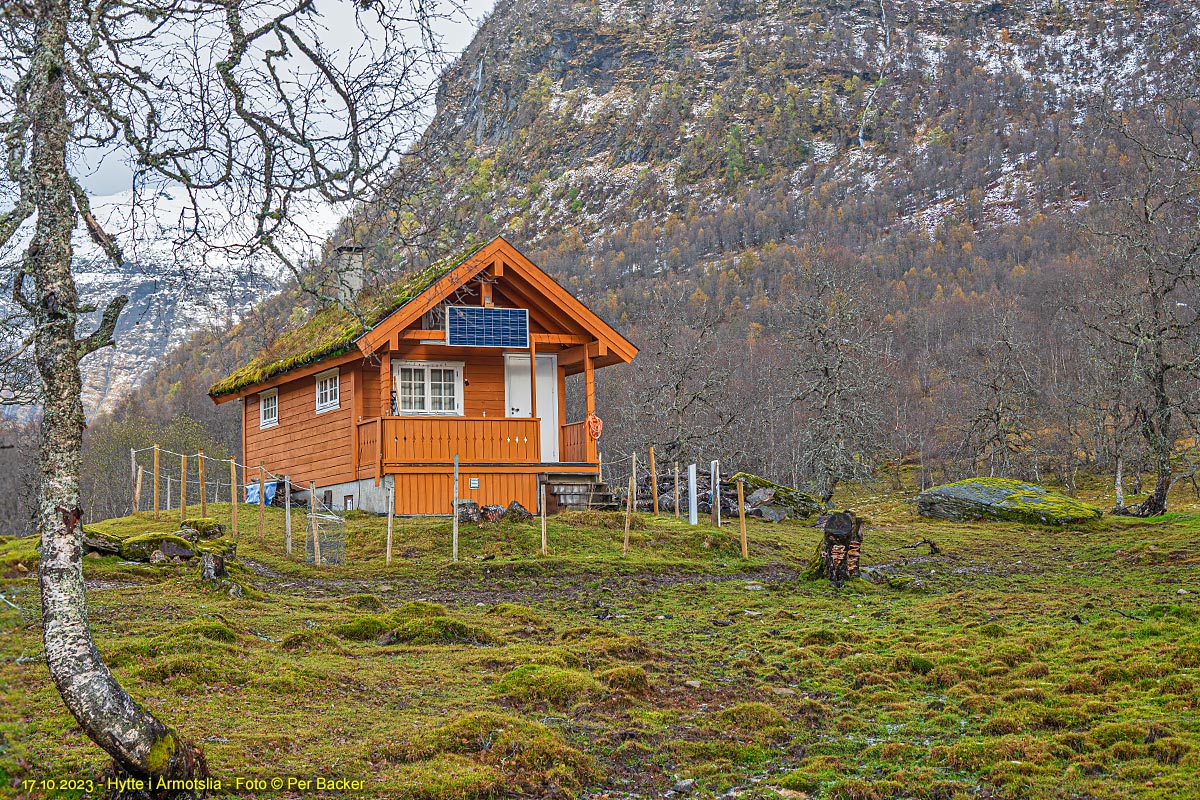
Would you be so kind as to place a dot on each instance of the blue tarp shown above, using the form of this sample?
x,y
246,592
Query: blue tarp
x,y
252,492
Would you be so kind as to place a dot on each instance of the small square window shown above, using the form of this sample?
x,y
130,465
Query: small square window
x,y
268,409
328,395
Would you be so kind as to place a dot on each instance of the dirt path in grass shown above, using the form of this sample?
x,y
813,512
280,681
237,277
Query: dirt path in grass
x,y
486,588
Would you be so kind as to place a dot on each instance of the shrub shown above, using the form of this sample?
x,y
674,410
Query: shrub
x,y
438,630
632,680
752,717
365,602
306,641
555,686
363,628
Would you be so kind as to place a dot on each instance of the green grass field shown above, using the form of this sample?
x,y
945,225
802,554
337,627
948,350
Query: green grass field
x,y
1021,662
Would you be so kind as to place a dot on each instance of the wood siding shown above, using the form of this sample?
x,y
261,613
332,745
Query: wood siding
x,y
433,493
304,445
370,389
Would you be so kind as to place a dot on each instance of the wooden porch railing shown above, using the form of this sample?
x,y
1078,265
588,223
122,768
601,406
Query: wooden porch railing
x,y
369,462
574,442
436,440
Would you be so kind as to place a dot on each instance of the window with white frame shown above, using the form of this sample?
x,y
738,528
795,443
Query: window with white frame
x,y
428,387
328,396
268,409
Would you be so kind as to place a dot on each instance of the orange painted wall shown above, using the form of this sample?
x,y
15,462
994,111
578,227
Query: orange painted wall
x,y
304,445
483,374
432,493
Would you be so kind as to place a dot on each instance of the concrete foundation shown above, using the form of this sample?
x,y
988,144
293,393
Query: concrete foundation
x,y
363,495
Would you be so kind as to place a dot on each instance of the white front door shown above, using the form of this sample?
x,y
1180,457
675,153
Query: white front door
x,y
517,397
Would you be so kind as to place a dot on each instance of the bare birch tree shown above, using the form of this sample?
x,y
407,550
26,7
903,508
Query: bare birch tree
x,y
1143,315
241,106
833,348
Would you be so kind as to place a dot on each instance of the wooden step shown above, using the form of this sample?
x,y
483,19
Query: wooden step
x,y
578,493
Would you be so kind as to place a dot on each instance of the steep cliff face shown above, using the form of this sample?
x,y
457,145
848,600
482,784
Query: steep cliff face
x,y
605,116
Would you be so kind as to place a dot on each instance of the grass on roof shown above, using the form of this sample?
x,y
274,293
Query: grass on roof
x,y
332,331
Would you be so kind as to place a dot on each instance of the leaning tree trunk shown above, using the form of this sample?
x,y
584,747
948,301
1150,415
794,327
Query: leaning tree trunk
x,y
139,744
1156,428
1156,503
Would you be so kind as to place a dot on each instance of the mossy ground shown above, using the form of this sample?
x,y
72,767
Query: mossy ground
x,y
1020,662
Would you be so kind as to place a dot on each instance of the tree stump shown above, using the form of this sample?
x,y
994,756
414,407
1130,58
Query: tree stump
x,y
212,567
841,547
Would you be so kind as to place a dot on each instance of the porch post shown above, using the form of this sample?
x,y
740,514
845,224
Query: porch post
x,y
385,384
589,380
533,409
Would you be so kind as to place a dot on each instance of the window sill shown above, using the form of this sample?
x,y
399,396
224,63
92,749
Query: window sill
x,y
404,413
323,409
264,426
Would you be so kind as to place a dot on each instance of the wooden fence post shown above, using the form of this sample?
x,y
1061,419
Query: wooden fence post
x,y
168,508
262,504
633,474
391,515
629,511
137,492
156,479
132,481
312,512
287,514
742,517
653,480
182,488
677,511
542,502
454,514
235,497
203,493
693,512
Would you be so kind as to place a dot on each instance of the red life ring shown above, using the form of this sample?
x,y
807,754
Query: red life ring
x,y
595,426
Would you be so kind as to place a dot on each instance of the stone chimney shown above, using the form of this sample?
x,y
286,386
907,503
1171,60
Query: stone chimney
x,y
350,271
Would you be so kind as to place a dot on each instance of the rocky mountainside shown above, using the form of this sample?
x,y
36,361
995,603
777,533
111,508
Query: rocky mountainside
x,y
696,170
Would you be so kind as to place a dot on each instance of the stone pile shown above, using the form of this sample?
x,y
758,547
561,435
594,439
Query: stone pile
x,y
771,501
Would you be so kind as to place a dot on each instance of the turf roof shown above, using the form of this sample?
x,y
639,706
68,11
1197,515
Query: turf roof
x,y
333,331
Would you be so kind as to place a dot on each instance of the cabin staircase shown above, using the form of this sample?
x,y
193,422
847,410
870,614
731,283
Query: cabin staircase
x,y
578,493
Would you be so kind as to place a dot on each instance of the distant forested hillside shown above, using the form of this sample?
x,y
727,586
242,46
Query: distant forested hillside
x,y
844,234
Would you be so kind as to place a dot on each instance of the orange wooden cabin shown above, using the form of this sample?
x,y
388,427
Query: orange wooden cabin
x,y
433,366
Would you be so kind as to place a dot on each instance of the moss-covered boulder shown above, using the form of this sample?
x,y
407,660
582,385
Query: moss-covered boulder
x,y
796,504
141,548
225,547
1002,499
205,527
95,541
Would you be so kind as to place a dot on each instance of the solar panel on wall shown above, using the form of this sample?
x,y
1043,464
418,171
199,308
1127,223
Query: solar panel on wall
x,y
477,326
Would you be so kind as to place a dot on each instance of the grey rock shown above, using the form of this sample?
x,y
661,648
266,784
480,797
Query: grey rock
x,y
517,512
772,513
1002,499
468,511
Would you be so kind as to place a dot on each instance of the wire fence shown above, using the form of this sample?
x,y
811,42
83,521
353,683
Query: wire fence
x,y
163,480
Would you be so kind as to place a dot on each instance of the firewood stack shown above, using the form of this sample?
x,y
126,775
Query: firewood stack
x,y
841,547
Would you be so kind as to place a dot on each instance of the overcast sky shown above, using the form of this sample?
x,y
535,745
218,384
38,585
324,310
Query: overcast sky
x,y
108,175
